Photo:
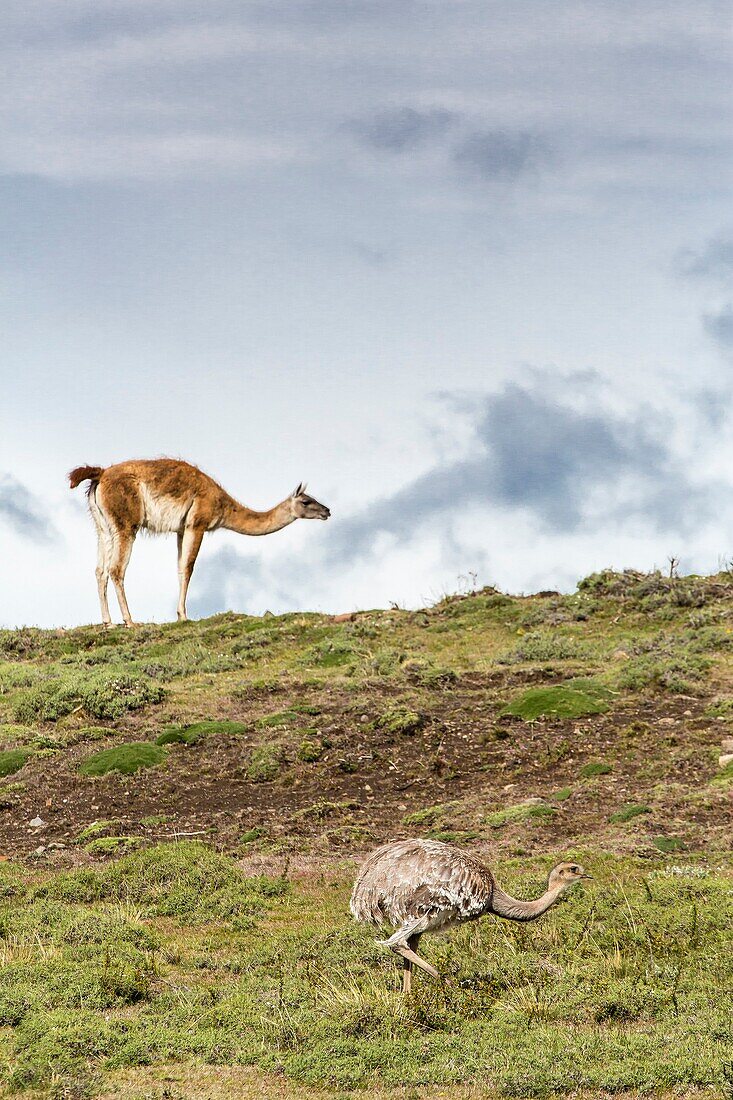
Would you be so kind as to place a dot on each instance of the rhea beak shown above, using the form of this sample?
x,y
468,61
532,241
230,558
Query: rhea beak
x,y
587,876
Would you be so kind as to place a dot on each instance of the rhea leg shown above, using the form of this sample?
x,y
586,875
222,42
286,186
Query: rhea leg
x,y
404,942
120,560
189,544
412,944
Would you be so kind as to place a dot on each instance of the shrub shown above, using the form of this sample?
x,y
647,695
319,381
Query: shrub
x,y
264,763
126,759
104,695
547,647
428,675
400,720
678,673
310,750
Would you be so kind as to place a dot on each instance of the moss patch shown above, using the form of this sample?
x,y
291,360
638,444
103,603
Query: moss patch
x,y
12,760
573,699
629,812
596,767
521,812
126,759
189,735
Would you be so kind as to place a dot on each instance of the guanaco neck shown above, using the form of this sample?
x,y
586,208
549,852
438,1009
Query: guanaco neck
x,y
513,909
245,521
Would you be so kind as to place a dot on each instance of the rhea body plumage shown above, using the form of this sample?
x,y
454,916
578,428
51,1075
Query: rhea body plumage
x,y
419,886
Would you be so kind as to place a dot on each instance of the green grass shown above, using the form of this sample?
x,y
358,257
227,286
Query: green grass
x,y
572,699
619,988
126,759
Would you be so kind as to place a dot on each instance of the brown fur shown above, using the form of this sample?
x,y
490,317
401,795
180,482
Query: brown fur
x,y
169,495
84,473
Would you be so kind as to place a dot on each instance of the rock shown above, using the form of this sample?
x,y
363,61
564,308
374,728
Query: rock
x,y
725,759
620,655
56,845
687,713
666,721
346,617
727,744
39,851
37,823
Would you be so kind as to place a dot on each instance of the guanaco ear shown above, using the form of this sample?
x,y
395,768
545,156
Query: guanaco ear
x,y
301,489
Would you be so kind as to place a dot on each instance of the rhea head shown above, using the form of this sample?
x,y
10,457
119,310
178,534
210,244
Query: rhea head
x,y
566,875
306,507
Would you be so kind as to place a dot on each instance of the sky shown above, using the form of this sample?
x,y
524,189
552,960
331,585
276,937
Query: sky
x,y
464,266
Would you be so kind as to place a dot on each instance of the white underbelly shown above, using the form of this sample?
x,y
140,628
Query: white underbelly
x,y
162,515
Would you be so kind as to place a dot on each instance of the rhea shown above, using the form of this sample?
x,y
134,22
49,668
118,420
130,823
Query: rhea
x,y
165,495
419,886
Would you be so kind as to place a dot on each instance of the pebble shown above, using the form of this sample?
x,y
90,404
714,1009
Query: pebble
x,y
725,759
37,823
727,744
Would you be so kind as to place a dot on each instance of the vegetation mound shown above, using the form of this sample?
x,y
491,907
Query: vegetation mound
x,y
126,759
189,735
573,699
12,760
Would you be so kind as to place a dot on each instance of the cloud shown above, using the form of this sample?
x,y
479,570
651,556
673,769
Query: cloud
x,y
227,579
719,325
535,452
714,261
20,511
500,155
404,128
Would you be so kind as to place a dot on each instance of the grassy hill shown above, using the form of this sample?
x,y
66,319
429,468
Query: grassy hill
x,y
182,809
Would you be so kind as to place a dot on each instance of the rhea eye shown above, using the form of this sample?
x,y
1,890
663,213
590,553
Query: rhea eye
x,y
575,869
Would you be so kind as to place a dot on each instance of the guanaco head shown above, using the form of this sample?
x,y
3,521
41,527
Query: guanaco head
x,y
566,874
305,507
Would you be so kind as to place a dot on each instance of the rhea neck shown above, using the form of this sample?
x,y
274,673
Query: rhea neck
x,y
245,521
504,905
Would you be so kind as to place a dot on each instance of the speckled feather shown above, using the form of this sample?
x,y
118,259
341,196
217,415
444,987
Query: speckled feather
x,y
408,880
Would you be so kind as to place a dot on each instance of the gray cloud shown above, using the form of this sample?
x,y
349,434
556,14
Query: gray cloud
x,y
714,261
719,325
500,155
399,130
535,452
22,512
